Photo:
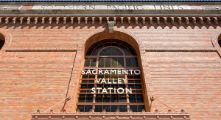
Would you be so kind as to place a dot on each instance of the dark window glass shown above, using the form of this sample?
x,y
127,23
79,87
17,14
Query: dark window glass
x,y
85,91
84,108
123,108
114,62
90,81
94,52
114,98
133,108
113,108
135,86
136,98
84,82
139,98
82,98
98,108
88,76
128,50
88,86
99,98
104,62
117,62
131,62
134,81
121,85
132,98
101,62
133,76
106,108
2,42
88,108
111,51
90,62
110,76
83,85
107,98
137,91
219,41
136,108
111,62
110,108
87,62
122,98
85,98
81,108
140,108
107,62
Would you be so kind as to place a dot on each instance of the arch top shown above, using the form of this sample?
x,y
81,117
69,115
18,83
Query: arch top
x,y
113,47
115,35
115,51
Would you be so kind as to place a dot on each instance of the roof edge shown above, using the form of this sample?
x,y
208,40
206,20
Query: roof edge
x,y
110,0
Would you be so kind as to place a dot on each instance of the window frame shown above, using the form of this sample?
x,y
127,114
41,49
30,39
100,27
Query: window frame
x,y
119,102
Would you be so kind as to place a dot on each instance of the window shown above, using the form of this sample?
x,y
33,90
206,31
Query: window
x,y
108,83
2,41
219,40
85,108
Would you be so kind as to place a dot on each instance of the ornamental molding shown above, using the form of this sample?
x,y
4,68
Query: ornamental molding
x,y
136,20
118,9
110,6
119,13
111,25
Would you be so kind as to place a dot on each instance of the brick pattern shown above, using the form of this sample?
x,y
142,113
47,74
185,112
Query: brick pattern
x,y
177,80
31,81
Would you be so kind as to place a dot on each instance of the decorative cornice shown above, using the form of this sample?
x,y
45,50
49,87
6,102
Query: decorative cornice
x,y
123,13
110,9
34,20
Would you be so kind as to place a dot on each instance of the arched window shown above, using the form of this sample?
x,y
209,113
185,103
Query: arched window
x,y
219,40
2,41
111,79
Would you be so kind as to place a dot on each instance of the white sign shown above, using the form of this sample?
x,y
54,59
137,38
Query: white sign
x,y
111,81
108,81
112,71
110,90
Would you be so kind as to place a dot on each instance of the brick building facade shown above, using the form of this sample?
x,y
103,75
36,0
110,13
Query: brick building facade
x,y
45,46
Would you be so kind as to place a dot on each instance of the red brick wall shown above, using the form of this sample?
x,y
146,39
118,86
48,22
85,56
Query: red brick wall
x,y
37,78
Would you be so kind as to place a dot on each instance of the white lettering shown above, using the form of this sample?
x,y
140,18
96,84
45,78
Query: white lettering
x,y
111,90
137,72
129,91
93,91
120,91
119,72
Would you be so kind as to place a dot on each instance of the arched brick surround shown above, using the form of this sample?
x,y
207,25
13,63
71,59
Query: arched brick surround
x,y
123,37
112,35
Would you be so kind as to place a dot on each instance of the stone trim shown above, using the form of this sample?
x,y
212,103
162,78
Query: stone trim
x,y
182,50
112,116
40,50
